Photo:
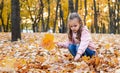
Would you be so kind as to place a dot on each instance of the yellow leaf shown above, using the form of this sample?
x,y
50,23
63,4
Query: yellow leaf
x,y
107,46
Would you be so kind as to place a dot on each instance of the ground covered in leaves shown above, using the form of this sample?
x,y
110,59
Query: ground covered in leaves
x,y
28,55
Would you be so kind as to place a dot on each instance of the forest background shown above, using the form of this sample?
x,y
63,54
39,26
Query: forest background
x,y
100,16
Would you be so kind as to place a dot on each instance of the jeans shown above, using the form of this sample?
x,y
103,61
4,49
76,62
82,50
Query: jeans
x,y
73,48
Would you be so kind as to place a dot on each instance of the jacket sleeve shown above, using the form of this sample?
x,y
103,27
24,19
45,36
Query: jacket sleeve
x,y
64,44
85,39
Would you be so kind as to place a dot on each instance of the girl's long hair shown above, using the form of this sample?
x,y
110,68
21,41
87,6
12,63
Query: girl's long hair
x,y
71,17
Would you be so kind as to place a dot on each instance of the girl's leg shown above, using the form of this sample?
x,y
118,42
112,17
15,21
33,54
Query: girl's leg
x,y
72,49
89,52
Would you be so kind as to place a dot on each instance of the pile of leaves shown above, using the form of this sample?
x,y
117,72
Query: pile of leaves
x,y
31,54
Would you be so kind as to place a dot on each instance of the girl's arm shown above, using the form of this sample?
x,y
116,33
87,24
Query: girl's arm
x,y
63,44
85,39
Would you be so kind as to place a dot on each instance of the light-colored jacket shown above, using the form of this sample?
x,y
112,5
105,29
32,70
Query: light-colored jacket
x,y
86,41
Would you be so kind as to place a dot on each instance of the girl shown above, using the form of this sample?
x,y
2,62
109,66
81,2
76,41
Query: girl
x,y
80,42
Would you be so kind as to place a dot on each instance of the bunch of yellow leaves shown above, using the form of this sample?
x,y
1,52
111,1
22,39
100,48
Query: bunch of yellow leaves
x,y
48,41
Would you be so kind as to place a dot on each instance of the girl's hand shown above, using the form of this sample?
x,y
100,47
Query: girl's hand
x,y
58,44
77,57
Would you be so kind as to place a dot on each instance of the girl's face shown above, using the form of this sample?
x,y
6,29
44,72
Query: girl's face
x,y
74,25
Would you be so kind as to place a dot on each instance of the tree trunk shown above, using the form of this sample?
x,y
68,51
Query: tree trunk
x,y
117,3
118,16
47,27
2,20
76,5
103,30
42,18
63,30
7,27
3,25
56,16
95,17
0,28
115,17
33,27
43,24
71,6
92,28
111,26
85,4
80,4
15,20
22,27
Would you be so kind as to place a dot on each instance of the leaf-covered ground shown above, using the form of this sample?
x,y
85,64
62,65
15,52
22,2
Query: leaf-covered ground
x,y
28,56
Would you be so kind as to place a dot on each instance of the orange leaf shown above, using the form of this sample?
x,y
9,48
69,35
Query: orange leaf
x,y
97,60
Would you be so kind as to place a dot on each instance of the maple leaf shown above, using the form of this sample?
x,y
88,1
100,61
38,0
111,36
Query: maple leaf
x,y
48,42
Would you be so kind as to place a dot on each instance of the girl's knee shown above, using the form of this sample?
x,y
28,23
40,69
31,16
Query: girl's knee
x,y
72,49
90,52
71,46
